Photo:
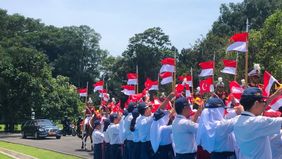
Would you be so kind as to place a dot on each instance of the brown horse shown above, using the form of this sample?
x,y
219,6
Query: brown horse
x,y
87,132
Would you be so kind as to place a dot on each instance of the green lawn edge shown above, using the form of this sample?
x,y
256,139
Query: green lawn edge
x,y
2,156
35,152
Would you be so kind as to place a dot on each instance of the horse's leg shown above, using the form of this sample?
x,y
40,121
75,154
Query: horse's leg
x,y
85,141
82,141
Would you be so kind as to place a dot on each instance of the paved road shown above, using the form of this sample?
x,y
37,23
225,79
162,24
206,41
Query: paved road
x,y
67,144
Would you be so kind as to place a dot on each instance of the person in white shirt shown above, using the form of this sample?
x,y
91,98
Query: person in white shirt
x,y
128,133
98,139
276,145
184,130
106,149
252,130
115,141
160,135
214,132
135,138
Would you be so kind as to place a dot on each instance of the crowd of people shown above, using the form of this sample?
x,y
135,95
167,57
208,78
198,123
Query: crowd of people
x,y
202,129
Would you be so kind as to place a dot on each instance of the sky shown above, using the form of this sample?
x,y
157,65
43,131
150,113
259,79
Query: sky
x,y
184,21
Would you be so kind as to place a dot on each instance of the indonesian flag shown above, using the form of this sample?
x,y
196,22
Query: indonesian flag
x,y
166,78
268,81
98,86
276,103
155,105
151,85
132,79
206,85
236,90
229,67
82,92
105,96
187,91
186,80
136,97
207,68
239,42
128,90
179,89
168,65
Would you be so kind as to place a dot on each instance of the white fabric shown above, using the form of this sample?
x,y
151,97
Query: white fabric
x,y
276,145
143,126
121,130
127,122
135,132
237,46
97,88
106,137
214,132
83,94
166,80
252,135
97,136
113,132
154,87
128,92
277,104
86,120
167,68
206,72
156,130
132,82
183,135
229,70
269,84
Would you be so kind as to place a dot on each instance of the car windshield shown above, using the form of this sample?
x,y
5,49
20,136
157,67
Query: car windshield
x,y
44,122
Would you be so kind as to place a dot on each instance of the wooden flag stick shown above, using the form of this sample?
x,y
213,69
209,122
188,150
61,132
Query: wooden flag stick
x,y
236,71
246,56
137,79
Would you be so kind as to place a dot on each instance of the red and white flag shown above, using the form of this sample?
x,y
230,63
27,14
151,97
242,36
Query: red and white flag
x,y
98,86
151,85
187,91
168,65
236,90
186,80
82,92
105,97
276,103
206,85
229,67
268,81
166,78
239,42
132,79
207,68
128,90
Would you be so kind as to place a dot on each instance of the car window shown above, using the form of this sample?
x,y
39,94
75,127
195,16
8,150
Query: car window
x,y
44,122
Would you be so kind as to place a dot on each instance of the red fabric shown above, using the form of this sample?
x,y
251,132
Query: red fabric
x,y
168,61
229,63
242,37
272,114
206,65
236,89
205,85
99,83
165,74
132,75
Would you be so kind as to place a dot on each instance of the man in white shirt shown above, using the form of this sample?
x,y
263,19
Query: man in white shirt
x,y
252,130
184,130
115,141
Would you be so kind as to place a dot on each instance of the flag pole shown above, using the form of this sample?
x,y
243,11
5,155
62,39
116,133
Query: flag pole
x,y
191,72
174,77
246,56
236,71
213,66
158,83
137,79
86,92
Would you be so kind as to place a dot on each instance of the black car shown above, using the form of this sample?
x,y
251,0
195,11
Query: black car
x,y
39,128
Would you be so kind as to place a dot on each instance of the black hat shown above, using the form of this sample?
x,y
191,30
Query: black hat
x,y
142,106
252,94
130,107
96,123
214,103
158,114
113,116
181,102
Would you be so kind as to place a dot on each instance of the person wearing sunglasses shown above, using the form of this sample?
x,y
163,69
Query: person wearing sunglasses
x,y
252,130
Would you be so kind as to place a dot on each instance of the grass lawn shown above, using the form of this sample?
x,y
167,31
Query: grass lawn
x,y
35,152
2,156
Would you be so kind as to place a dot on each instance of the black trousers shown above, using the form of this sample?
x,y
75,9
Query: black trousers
x,y
107,154
165,152
136,150
146,151
186,156
222,155
128,149
115,151
98,151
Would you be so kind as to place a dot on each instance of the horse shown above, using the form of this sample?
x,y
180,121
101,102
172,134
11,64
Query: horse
x,y
87,131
